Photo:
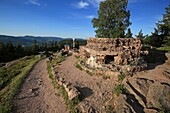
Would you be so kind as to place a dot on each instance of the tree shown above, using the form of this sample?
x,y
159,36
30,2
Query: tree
x,y
2,51
19,50
35,47
129,33
113,19
164,24
44,45
9,47
161,34
156,39
147,40
163,27
140,35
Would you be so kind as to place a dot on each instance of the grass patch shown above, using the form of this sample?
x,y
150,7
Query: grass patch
x,y
7,73
110,109
60,89
121,77
70,104
90,73
14,81
79,67
120,89
165,48
58,60
106,77
77,57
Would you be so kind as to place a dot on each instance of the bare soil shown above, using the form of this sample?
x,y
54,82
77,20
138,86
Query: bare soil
x,y
37,95
96,91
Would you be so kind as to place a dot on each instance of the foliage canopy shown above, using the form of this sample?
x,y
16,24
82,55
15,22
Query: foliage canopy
x,y
113,19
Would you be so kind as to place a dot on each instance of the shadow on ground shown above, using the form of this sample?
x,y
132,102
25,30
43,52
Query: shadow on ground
x,y
131,100
155,58
85,92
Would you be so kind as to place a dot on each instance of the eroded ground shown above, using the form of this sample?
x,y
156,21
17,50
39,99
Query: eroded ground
x,y
147,90
37,95
96,91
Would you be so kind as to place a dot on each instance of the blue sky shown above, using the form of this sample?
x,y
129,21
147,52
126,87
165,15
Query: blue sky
x,y
70,18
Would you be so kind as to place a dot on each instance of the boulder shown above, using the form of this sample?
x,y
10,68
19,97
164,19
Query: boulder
x,y
158,96
73,93
121,106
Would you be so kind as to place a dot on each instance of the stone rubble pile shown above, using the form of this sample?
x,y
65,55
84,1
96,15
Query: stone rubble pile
x,y
69,88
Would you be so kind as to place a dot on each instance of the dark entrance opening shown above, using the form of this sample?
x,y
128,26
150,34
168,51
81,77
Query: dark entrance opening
x,y
109,59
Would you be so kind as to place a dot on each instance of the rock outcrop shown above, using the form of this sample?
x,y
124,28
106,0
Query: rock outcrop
x,y
150,95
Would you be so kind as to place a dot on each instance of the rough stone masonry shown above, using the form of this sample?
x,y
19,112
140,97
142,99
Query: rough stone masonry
x,y
100,52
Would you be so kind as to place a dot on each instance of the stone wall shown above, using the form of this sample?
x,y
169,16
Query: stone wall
x,y
114,51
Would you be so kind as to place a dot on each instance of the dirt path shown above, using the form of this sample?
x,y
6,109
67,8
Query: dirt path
x,y
96,90
37,95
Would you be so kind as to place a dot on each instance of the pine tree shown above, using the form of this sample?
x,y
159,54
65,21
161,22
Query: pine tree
x,y
140,35
164,27
164,24
44,43
129,33
35,47
9,47
161,34
156,39
113,19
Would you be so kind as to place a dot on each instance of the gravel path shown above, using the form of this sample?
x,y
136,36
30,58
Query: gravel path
x,y
37,95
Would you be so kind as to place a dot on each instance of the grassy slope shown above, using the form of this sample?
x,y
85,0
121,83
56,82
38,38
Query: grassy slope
x,y
165,48
11,79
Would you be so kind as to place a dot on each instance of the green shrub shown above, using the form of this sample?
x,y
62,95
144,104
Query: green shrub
x,y
120,89
79,67
121,77
77,56
90,73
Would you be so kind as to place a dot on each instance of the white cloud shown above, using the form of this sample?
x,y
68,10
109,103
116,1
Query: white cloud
x,y
82,4
35,2
95,3
90,16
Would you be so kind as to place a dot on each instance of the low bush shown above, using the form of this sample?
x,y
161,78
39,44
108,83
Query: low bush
x,y
79,67
77,56
120,89
121,77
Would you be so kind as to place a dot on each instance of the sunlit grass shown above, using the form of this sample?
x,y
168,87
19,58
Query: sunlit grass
x,y
14,81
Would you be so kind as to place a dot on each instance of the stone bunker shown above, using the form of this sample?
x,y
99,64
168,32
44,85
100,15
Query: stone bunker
x,y
112,52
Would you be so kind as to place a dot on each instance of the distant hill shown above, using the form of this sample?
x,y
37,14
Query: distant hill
x,y
27,40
